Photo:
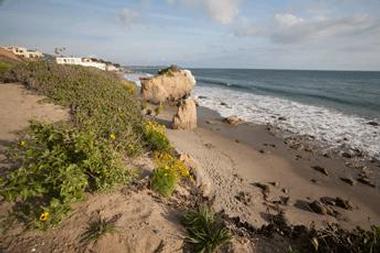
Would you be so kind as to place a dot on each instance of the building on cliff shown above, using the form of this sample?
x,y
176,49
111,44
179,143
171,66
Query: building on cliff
x,y
87,62
24,52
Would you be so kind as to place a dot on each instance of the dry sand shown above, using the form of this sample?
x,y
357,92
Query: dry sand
x,y
235,158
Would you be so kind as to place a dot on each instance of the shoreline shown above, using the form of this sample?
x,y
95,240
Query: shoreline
x,y
256,154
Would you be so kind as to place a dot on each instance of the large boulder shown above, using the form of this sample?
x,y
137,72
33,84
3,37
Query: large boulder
x,y
169,85
186,117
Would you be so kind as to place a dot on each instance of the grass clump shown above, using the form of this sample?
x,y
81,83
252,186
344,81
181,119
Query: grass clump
x,y
58,163
206,230
163,181
97,228
169,170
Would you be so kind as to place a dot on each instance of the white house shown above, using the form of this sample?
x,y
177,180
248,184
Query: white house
x,y
86,62
24,52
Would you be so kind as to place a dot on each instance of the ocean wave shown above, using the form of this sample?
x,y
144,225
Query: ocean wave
x,y
286,92
135,77
221,82
330,127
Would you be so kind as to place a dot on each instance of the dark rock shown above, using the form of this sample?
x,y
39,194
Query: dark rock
x,y
281,118
366,181
202,97
264,187
275,184
224,104
243,197
346,155
318,207
347,180
328,201
262,151
209,145
314,181
149,112
342,203
320,169
373,123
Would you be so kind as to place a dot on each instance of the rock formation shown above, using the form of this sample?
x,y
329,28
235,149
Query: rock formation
x,y
169,85
186,117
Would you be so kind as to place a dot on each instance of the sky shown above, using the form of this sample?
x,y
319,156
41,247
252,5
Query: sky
x,y
274,34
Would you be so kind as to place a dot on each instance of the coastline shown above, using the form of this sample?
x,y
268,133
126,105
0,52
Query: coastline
x,y
238,159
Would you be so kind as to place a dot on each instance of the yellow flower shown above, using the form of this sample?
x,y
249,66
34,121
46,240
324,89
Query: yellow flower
x,y
22,143
44,216
113,136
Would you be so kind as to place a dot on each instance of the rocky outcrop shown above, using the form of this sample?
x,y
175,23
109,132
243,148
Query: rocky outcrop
x,y
233,120
186,117
168,86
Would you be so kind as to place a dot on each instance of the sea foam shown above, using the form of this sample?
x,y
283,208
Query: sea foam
x,y
330,127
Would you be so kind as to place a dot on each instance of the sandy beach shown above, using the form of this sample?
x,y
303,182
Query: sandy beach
x,y
253,174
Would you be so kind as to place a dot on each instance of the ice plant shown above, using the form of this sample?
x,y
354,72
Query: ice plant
x,y
112,136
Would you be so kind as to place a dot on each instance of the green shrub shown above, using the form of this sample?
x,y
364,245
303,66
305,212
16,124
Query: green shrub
x,y
58,163
206,231
4,67
169,170
155,135
164,181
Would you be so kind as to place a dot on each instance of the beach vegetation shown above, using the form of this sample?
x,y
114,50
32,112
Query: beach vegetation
x,y
155,136
163,181
4,66
169,71
98,227
206,231
130,87
169,170
58,164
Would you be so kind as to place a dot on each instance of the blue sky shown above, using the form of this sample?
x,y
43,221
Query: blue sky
x,y
285,34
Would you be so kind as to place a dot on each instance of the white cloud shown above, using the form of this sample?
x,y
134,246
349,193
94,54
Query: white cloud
x,y
287,19
222,11
289,28
128,17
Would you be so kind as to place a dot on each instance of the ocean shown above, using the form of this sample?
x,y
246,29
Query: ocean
x,y
338,108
